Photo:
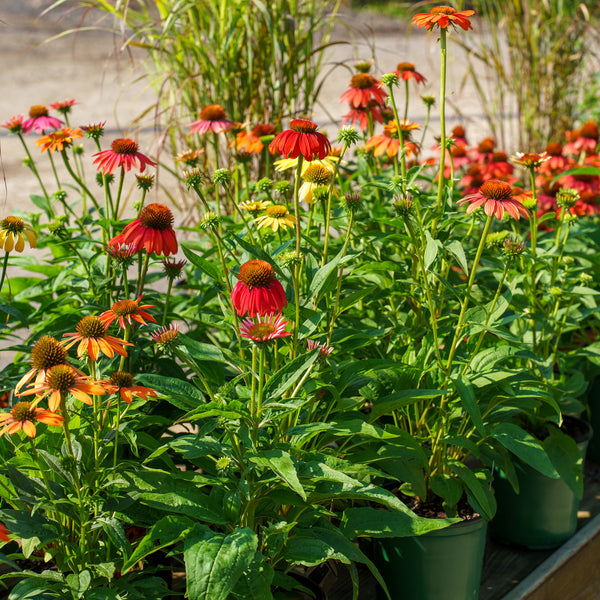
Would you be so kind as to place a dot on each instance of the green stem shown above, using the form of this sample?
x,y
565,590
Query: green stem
x,y
4,269
440,190
33,168
465,301
297,266
169,288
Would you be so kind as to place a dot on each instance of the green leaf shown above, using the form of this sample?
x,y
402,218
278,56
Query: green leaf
x,y
79,582
525,446
282,464
181,394
283,379
321,277
255,582
388,404
114,530
469,402
566,458
166,532
455,248
204,265
431,250
366,521
446,487
478,489
214,562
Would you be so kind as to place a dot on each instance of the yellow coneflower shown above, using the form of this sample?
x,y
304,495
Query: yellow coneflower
x,y
277,216
11,234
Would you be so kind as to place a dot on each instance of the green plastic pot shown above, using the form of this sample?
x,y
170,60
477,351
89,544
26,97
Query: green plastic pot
x,y
444,564
543,515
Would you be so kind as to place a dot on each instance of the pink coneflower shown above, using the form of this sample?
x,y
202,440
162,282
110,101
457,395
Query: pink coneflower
x,y
128,310
152,231
301,138
120,250
322,347
64,107
212,118
363,88
14,124
406,72
270,327
123,153
495,197
164,336
258,292
582,140
39,120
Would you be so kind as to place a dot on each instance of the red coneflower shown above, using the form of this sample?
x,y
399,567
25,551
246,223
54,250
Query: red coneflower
x,y
122,383
212,118
257,292
582,140
361,115
58,140
64,379
267,328
23,416
302,138
443,17
123,153
126,310
363,89
39,120
4,533
92,337
406,72
152,230
495,197
164,336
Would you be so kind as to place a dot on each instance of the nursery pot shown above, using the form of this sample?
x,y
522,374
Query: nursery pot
x,y
593,399
543,514
443,564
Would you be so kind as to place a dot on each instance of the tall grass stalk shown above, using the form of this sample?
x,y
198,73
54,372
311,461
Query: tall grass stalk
x,y
531,62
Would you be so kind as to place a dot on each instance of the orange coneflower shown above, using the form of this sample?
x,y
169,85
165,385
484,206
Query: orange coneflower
x,y
361,115
46,353
250,142
22,416
126,310
495,197
301,139
58,140
152,231
64,379
389,143
92,337
257,292
443,17
123,153
122,383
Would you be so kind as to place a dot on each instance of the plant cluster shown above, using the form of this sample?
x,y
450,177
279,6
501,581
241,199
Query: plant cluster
x,y
344,346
